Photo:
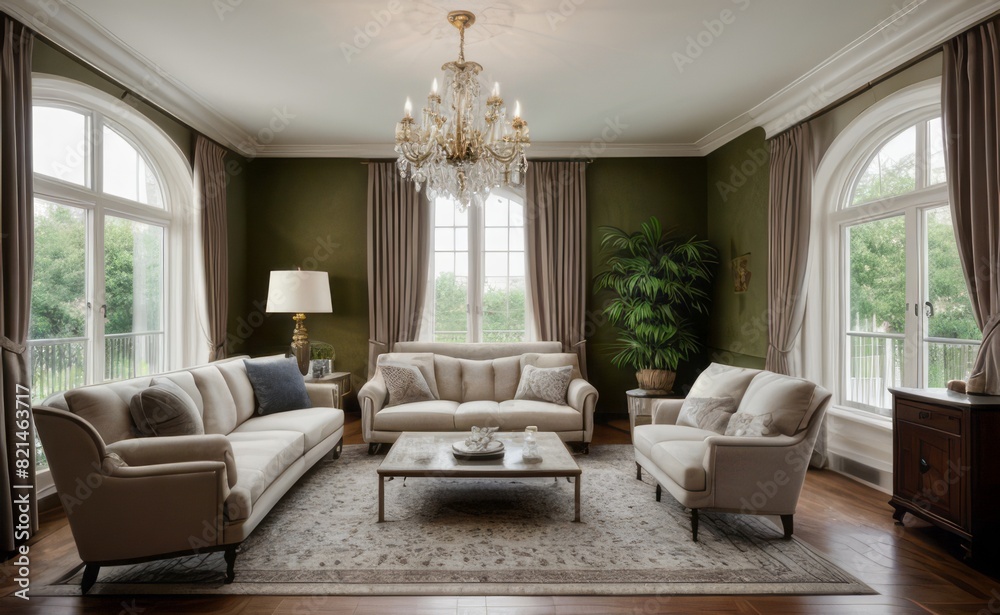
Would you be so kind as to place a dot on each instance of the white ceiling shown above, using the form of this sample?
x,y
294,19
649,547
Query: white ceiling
x,y
575,65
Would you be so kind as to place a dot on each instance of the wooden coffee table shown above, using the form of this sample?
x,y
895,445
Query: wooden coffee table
x,y
428,454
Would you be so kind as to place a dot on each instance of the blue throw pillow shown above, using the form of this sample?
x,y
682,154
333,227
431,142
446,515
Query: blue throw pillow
x,y
277,384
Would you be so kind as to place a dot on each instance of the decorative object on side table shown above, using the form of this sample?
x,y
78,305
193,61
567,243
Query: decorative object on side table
x,y
481,444
299,292
657,284
321,359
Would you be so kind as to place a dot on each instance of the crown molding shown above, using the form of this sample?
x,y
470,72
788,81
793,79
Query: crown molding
x,y
67,26
920,25
581,150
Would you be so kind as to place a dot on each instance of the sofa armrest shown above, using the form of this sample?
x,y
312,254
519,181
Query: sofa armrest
x,y
666,411
580,394
372,398
755,441
757,475
321,395
171,450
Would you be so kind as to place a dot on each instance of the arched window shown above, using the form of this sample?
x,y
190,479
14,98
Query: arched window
x,y
114,237
900,308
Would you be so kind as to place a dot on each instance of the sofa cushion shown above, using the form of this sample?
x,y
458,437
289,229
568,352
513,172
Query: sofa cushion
x,y
645,437
544,383
506,375
437,415
260,458
165,409
449,371
552,359
484,413
404,383
186,381
477,380
235,373
104,409
711,413
424,361
683,461
277,384
316,424
785,398
723,381
220,407
516,414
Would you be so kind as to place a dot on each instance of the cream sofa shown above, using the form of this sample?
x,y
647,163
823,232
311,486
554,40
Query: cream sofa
x,y
475,385
760,475
178,495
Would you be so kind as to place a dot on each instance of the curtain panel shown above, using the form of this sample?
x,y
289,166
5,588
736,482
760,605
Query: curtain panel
x,y
18,511
210,195
970,102
556,230
398,257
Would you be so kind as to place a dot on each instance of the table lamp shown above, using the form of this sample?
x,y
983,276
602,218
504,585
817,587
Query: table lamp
x,y
299,292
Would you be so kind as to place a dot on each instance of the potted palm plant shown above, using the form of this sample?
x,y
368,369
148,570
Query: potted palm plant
x,y
657,282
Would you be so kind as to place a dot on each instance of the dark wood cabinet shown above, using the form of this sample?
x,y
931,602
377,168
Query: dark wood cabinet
x,y
946,463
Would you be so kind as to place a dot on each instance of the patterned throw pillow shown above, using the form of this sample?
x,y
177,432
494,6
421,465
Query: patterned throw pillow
x,y
745,424
405,384
544,383
711,413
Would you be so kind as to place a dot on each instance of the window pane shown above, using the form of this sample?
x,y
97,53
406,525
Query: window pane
x,y
450,316
496,264
891,172
461,238
58,320
503,312
935,145
444,212
496,211
126,173
133,270
496,239
444,239
517,239
877,304
61,144
952,311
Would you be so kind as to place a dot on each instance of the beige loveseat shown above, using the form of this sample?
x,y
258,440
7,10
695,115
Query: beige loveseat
x,y
177,495
475,384
750,474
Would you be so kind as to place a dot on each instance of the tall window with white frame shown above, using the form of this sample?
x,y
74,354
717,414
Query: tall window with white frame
x,y
476,291
906,319
97,308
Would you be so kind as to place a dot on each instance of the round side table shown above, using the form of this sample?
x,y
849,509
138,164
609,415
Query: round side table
x,y
640,407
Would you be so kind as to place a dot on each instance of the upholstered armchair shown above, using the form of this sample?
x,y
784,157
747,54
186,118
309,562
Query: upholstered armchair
x,y
739,473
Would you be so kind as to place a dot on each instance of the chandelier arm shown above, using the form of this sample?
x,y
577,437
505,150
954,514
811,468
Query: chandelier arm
x,y
504,158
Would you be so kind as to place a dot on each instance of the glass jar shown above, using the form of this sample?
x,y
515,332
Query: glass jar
x,y
530,450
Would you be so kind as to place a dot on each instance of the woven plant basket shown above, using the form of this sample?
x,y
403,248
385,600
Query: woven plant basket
x,y
656,380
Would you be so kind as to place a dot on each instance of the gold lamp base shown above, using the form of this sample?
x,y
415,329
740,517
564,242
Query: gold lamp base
x,y
300,343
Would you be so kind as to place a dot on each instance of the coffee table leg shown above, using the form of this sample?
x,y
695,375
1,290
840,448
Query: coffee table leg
x,y
381,499
576,498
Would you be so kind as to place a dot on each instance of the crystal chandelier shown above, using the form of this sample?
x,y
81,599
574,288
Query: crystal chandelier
x,y
461,149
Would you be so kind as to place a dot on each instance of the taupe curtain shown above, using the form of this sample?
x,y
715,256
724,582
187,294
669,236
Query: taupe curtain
x,y
210,187
398,256
18,513
971,112
556,229
789,211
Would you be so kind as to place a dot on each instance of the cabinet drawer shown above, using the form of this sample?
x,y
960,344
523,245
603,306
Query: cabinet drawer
x,y
928,470
943,419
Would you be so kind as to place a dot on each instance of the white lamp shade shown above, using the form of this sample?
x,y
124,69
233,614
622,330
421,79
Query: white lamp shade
x,y
299,292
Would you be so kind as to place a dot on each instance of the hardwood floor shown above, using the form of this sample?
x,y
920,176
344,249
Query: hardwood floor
x,y
916,569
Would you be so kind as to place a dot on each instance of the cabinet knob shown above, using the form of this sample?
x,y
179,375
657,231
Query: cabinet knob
x,y
924,466
924,415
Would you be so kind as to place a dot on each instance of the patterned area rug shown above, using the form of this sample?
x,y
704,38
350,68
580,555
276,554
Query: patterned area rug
x,y
508,537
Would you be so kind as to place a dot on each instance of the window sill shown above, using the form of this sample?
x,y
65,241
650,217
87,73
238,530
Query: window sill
x,y
860,416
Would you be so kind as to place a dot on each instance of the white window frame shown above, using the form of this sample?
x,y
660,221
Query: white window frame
x,y
477,265
184,306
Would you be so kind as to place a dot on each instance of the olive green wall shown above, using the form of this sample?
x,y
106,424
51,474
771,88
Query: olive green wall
x,y
308,213
624,192
737,224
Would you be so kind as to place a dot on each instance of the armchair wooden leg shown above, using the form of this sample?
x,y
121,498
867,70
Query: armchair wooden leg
x,y
694,524
638,471
787,524
89,577
230,556
659,492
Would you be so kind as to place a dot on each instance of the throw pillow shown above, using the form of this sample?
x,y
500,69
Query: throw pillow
x,y
544,383
744,424
711,413
405,384
277,384
165,409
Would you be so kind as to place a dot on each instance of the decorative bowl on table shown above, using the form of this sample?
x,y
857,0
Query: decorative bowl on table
x,y
480,445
